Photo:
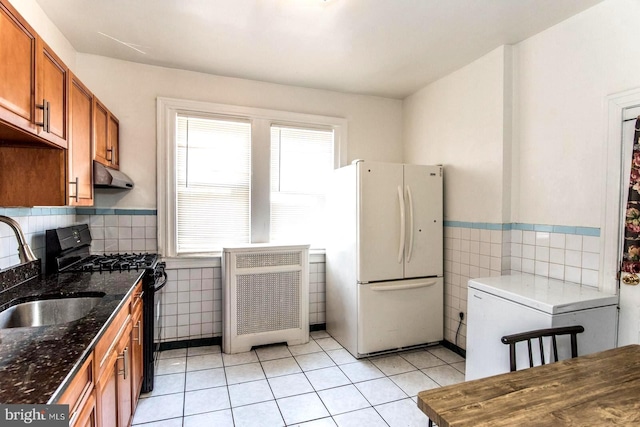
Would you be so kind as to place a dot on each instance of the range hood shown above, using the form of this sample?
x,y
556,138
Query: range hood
x,y
104,177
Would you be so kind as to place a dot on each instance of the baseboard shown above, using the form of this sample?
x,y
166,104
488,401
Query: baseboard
x,y
199,342
318,327
451,346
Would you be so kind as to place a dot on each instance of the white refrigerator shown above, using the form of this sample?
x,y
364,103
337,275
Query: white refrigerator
x,y
384,257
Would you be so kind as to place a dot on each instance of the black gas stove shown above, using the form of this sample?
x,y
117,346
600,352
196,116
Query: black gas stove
x,y
68,251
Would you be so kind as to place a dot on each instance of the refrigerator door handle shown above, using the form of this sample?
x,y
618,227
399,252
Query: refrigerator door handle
x,y
410,198
424,284
402,224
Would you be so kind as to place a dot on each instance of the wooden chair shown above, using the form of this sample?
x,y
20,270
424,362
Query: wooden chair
x,y
538,334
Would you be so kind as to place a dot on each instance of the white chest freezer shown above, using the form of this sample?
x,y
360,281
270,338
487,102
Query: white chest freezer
x,y
504,305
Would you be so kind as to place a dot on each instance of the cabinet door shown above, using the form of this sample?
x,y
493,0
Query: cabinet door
x,y
17,73
136,354
123,370
86,417
52,78
80,156
113,146
113,388
100,132
107,393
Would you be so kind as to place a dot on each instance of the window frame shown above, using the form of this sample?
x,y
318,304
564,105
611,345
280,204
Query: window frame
x,y
261,121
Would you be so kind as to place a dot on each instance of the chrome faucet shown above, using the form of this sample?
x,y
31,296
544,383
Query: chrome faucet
x,y
24,251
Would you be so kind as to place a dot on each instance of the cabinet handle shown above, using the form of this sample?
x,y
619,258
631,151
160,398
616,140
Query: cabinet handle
x,y
77,189
45,123
125,362
73,417
110,155
139,339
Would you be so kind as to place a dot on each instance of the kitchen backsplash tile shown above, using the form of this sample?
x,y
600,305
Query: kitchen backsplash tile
x,y
121,233
34,223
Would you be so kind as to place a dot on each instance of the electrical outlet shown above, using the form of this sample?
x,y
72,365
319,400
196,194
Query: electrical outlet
x,y
461,314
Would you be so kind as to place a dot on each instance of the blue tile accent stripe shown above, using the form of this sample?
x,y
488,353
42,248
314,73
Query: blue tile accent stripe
x,y
102,211
582,231
14,212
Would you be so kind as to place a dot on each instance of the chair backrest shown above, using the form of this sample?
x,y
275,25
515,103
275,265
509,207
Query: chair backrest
x,y
538,334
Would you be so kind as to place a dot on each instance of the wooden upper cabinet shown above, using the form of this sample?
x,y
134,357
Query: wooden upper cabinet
x,y
80,154
106,130
32,176
52,95
100,130
33,84
113,144
18,71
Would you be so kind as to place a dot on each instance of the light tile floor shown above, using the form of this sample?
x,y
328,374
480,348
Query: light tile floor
x,y
316,385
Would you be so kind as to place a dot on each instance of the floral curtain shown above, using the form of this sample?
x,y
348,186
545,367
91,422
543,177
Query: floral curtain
x,y
631,255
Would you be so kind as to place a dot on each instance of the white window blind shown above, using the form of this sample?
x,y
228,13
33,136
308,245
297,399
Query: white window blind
x,y
301,164
213,187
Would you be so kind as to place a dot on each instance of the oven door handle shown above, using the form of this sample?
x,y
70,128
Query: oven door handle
x,y
162,283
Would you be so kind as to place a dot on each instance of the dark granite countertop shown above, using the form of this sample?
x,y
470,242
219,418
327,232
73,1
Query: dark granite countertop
x,y
36,363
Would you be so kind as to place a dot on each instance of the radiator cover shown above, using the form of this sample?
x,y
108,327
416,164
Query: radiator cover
x,y
265,296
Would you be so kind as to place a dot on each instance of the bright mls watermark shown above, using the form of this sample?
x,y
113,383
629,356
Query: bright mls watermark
x,y
34,415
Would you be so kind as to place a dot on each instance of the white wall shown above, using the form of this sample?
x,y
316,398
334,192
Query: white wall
x,y
459,121
545,164
130,91
563,76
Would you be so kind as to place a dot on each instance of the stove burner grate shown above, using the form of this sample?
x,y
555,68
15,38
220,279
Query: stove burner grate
x,y
114,262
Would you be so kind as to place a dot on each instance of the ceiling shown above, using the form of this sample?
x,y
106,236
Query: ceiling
x,y
388,48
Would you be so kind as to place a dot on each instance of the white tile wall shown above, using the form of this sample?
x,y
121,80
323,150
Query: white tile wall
x,y
121,233
192,302
468,253
568,257
472,253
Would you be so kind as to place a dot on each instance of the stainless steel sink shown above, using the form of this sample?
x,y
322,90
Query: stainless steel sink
x,y
47,312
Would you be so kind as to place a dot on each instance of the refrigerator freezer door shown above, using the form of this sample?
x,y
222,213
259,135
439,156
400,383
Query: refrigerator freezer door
x,y
380,204
393,315
423,199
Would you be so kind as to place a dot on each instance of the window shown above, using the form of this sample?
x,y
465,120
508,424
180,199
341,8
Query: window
x,y
213,183
301,165
232,175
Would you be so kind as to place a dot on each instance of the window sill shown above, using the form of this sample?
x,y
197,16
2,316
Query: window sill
x,y
214,260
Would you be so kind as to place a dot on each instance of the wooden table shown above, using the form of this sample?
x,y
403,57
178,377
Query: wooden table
x,y
598,389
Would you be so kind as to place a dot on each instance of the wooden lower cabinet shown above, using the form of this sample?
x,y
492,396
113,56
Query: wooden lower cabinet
x,y
107,394
136,353
87,416
124,377
113,387
105,391
80,396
